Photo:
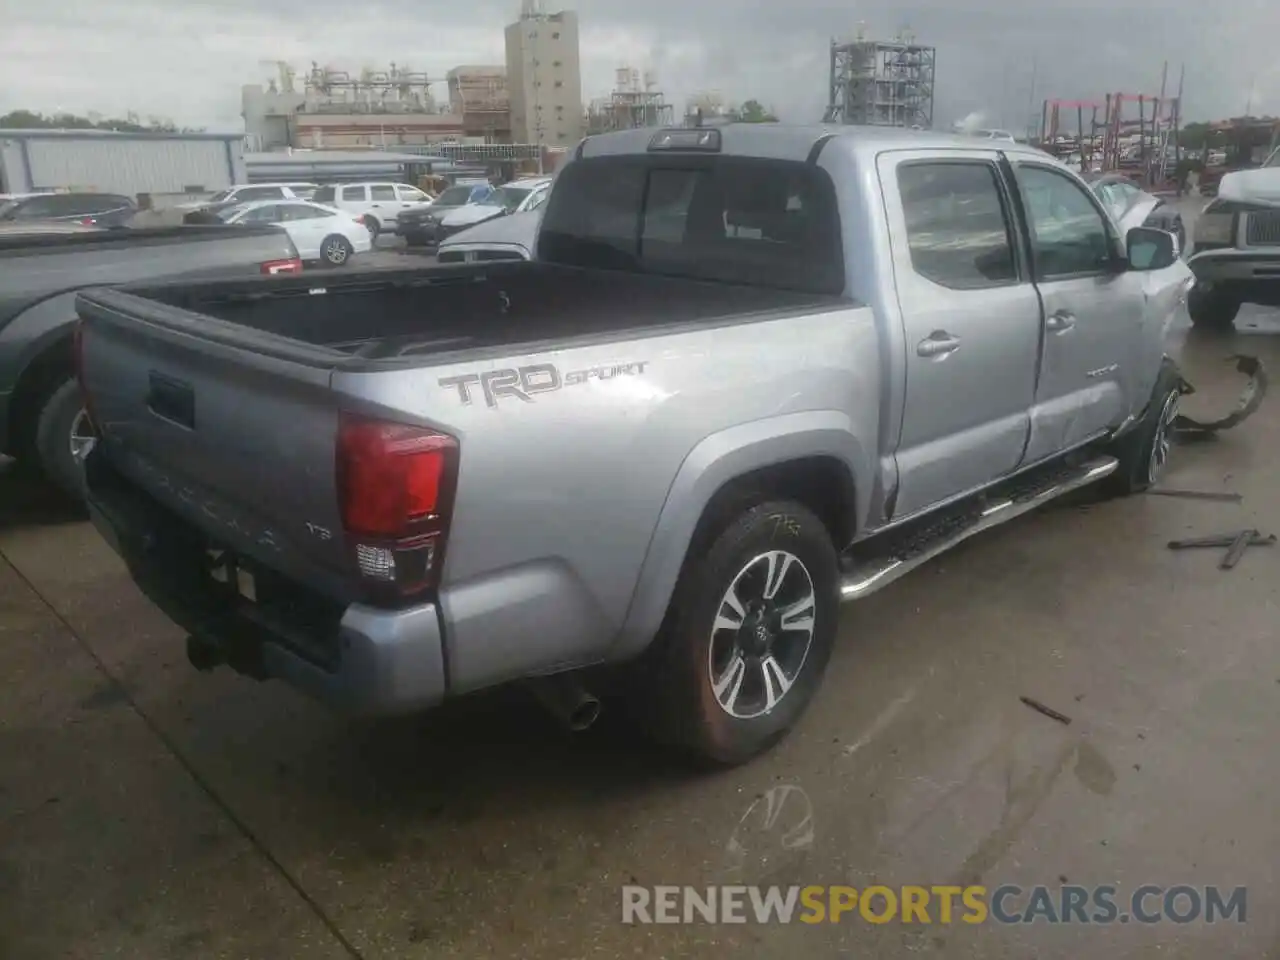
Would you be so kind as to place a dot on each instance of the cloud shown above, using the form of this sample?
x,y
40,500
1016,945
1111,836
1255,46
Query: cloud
x,y
187,60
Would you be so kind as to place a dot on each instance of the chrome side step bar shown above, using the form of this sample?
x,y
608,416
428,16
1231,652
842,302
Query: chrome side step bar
x,y
882,571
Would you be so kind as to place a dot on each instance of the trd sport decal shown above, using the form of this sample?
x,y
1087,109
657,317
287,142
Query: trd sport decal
x,y
522,383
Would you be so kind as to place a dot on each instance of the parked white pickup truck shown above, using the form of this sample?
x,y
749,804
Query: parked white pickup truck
x,y
752,371
1236,252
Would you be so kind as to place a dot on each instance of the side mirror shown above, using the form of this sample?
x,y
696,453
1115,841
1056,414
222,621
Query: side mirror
x,y
1151,249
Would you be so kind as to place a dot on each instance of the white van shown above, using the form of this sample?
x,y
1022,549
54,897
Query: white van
x,y
377,204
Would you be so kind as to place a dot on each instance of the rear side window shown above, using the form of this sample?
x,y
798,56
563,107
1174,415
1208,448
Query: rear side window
x,y
387,192
353,193
735,219
957,227
323,195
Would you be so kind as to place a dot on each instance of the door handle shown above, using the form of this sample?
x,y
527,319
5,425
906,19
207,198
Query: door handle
x,y
1060,321
937,344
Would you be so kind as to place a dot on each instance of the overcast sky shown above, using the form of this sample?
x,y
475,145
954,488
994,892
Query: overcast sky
x,y
186,59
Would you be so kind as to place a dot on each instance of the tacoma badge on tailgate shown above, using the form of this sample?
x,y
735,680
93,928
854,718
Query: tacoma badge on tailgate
x,y
523,382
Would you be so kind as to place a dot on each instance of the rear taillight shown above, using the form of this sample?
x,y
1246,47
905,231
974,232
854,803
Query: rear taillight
x,y
77,358
275,267
395,488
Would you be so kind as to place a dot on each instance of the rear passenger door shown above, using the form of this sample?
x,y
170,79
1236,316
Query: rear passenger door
x,y
383,202
971,318
1093,309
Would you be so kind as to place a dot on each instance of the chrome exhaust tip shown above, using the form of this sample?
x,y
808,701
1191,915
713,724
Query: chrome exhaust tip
x,y
566,700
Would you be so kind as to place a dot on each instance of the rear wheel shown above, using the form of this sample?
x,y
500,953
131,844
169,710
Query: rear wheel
x,y
64,438
336,250
1212,309
372,224
747,638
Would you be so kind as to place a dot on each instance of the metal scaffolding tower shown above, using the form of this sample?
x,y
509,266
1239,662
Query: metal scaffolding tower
x,y
881,83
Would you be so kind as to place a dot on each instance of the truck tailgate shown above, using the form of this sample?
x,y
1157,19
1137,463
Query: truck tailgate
x,y
231,429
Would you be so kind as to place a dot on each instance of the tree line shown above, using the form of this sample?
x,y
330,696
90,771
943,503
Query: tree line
x,y
130,123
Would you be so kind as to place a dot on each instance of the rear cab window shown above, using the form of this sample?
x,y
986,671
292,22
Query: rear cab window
x,y
743,220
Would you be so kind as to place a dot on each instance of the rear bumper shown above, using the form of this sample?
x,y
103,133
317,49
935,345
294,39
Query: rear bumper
x,y
358,659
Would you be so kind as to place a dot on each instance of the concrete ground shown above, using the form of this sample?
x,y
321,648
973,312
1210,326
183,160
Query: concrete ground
x,y
149,811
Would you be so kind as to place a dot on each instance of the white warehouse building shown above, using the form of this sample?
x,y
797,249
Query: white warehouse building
x,y
159,164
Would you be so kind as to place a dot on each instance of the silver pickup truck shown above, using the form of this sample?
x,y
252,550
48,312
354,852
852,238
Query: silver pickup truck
x,y
752,372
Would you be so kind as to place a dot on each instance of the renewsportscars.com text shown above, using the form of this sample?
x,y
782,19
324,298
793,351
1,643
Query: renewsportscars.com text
x,y
1007,904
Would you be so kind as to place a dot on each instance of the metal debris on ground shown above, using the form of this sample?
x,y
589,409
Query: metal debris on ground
x,y
1049,712
1195,494
1236,542
1187,428
1223,540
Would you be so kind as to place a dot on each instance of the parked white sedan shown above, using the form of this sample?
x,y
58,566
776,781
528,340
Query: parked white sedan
x,y
320,233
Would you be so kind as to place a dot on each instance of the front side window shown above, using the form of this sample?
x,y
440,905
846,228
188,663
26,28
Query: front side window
x,y
1068,234
957,227
259,193
412,194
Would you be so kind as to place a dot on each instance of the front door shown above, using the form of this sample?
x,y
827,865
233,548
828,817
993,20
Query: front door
x,y
1093,311
971,318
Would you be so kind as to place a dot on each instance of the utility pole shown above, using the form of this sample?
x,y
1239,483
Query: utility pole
x,y
1031,96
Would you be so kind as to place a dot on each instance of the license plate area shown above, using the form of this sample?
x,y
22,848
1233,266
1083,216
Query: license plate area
x,y
294,616
231,574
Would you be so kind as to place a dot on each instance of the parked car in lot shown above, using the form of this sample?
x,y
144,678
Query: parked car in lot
x,y
378,205
1236,251
42,265
648,467
197,211
503,238
90,209
318,232
1134,207
421,227
518,196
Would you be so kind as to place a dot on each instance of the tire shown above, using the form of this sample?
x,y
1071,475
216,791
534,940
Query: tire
x,y
677,690
62,426
1143,452
336,250
372,224
1212,309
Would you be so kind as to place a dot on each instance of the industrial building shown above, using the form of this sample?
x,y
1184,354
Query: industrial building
x,y
333,166
162,165
478,94
544,82
336,110
633,103
881,83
